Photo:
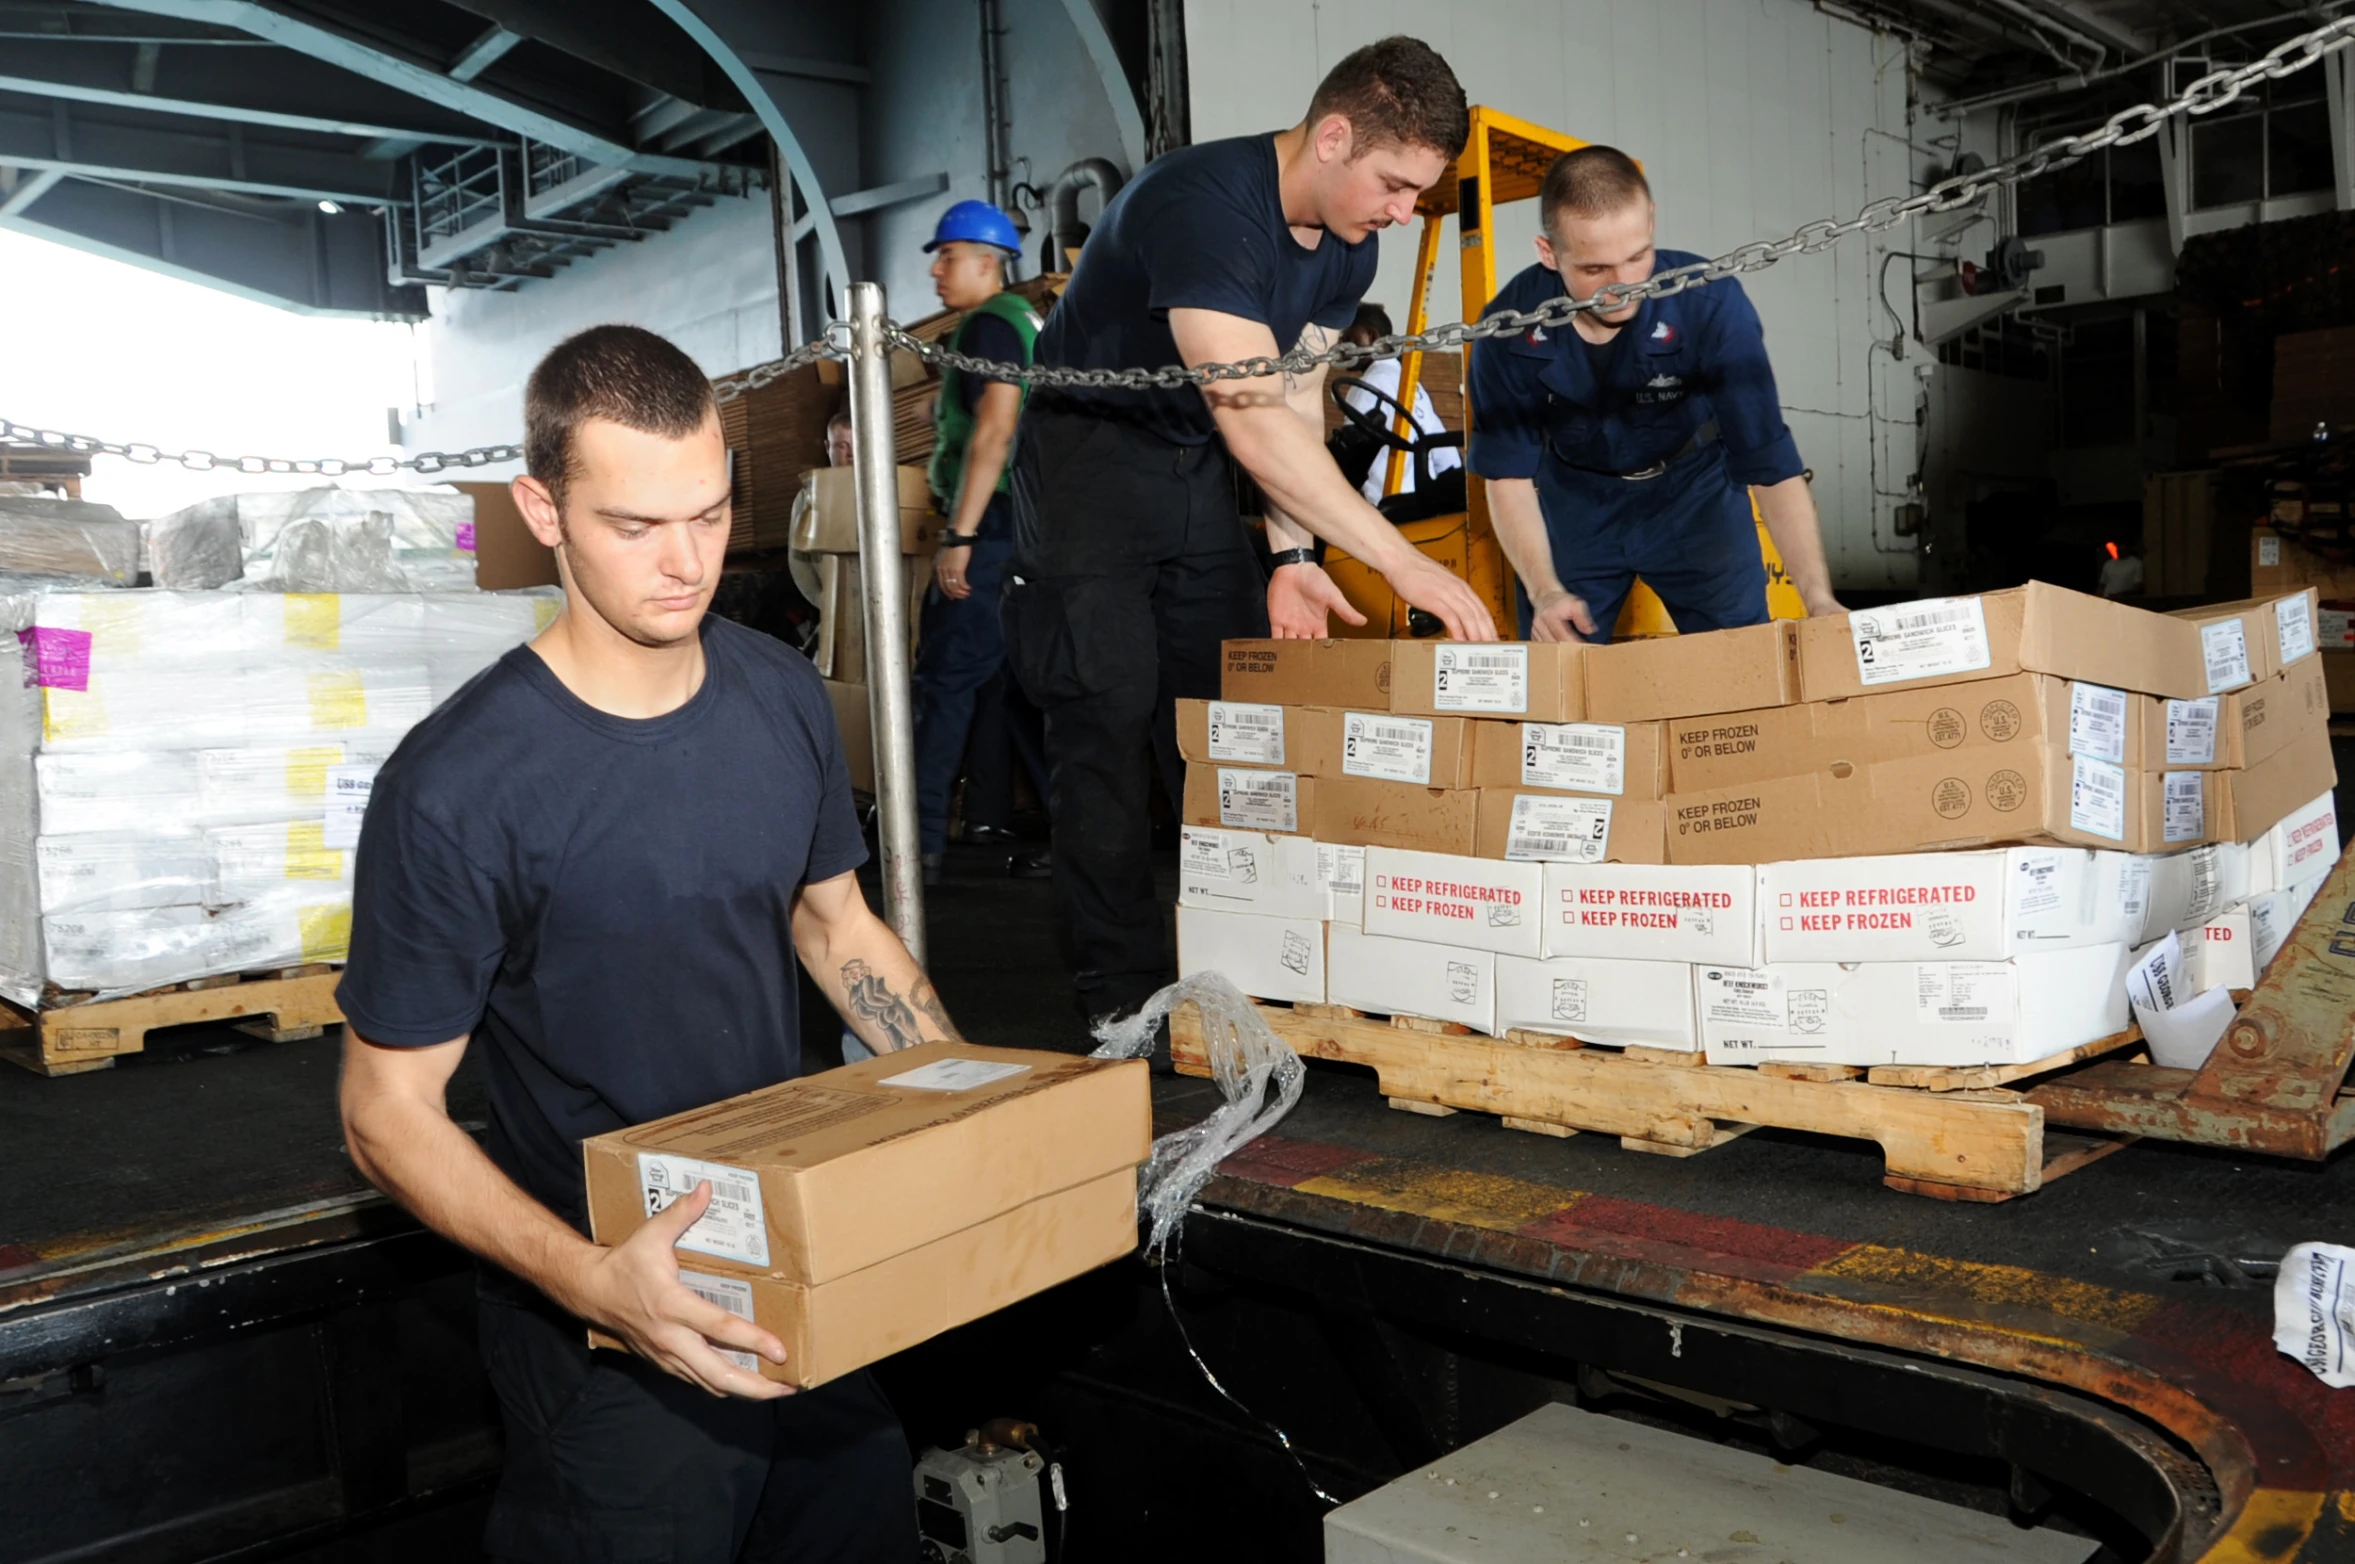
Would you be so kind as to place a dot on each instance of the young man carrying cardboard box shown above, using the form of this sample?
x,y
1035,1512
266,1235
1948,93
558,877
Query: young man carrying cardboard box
x,y
600,859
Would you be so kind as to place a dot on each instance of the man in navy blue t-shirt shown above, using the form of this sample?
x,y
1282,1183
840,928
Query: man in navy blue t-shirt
x,y
596,865
1131,564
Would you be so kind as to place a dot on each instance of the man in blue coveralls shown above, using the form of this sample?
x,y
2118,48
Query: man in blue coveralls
x,y
1627,444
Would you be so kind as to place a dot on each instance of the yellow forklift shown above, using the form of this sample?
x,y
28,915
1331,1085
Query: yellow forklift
x,y
1505,161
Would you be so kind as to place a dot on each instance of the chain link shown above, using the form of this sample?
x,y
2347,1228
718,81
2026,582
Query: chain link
x,y
2211,92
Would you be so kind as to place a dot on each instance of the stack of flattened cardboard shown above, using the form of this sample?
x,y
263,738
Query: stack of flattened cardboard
x,y
860,1211
1994,794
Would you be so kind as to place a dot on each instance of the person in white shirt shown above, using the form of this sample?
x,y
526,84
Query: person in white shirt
x,y
1374,322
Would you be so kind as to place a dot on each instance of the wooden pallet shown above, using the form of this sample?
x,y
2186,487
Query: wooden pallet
x,y
69,1039
1957,1142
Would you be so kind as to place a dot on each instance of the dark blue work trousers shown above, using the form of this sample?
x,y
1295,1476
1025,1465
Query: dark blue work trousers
x,y
1688,533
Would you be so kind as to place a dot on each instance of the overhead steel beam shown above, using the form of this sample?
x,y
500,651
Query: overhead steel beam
x,y
808,68
303,260
431,84
483,53
251,87
49,134
27,191
625,37
2094,27
881,196
1111,77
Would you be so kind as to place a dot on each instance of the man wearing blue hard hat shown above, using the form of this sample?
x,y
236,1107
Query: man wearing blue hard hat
x,y
960,647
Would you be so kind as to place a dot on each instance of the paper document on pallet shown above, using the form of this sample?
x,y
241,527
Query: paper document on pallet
x,y
2182,1026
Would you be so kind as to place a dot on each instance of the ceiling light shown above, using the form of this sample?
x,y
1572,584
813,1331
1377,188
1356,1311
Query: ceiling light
x,y
331,208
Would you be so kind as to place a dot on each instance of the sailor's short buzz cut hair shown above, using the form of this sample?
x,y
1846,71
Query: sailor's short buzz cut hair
x,y
623,374
1396,92
1590,182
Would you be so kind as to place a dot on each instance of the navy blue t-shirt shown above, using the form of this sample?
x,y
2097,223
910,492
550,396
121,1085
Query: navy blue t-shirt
x,y
604,902
986,336
1201,228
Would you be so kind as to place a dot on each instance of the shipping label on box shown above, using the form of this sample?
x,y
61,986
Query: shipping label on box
x,y
2274,916
1647,912
1748,668
2184,890
1542,681
1354,812
1381,747
1617,760
1267,958
1477,903
1234,733
1342,869
1251,871
1905,907
1241,798
2037,628
2099,722
1307,673
1598,1000
1542,827
1935,638
1408,977
2194,735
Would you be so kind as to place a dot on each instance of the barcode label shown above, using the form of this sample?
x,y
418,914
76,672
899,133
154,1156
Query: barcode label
x,y
1920,640
1948,993
2207,884
2191,732
2338,628
1247,733
1258,800
2097,799
1343,869
2097,722
732,1226
725,1292
2225,646
2293,623
954,1075
2269,552
1730,997
1204,854
2039,889
1582,757
1494,679
1388,749
1559,830
2185,815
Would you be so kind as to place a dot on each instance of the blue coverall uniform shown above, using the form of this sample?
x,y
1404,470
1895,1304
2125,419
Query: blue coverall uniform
x,y
1643,449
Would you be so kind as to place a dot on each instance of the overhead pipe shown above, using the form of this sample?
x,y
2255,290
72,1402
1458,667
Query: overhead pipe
x,y
1065,232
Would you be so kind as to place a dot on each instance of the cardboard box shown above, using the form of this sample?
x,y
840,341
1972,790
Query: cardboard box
x,y
1968,799
1523,825
1353,812
1404,977
1598,1000
2338,674
1307,673
2278,564
2334,625
2221,953
1244,798
506,555
1451,899
1617,760
2196,735
2182,890
876,1205
2037,628
1985,714
827,522
2303,845
1652,913
2273,714
1342,867
2182,808
1251,871
2273,917
2278,786
1986,906
1380,746
1267,958
1242,733
854,719
1543,681
2250,641
1905,1012
1742,669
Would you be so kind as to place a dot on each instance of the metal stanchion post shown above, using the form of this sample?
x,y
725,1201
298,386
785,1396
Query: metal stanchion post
x,y
875,460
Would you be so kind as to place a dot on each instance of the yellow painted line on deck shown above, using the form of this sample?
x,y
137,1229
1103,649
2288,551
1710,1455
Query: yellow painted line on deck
x,y
2272,1527
1486,1200
1933,1286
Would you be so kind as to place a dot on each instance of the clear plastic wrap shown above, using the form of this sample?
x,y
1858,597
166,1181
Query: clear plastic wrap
x,y
259,785
20,733
124,790
123,871
424,536
69,539
115,953
1257,1073
195,550
252,863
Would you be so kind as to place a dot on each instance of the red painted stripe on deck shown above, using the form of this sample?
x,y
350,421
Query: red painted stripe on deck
x,y
1272,1159
1631,1230
2253,1383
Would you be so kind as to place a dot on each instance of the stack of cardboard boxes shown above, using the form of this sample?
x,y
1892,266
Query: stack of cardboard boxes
x,y
2279,564
1927,834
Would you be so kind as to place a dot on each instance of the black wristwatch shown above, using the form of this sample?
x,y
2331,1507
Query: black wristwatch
x,y
959,539
1291,556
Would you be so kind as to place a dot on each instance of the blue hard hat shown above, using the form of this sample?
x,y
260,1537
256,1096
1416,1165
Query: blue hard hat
x,y
976,222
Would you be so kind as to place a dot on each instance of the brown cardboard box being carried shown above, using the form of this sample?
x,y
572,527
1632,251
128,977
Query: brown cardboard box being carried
x,y
1307,673
1969,798
1535,824
862,1210
1734,748
842,613
1673,676
826,516
2035,628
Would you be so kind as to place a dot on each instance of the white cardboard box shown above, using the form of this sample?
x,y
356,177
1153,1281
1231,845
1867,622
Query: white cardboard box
x,y
1343,869
1267,958
1251,871
1907,1012
2272,916
1413,978
1653,912
2184,890
2302,847
1980,906
125,871
2222,952
1474,903
1599,1000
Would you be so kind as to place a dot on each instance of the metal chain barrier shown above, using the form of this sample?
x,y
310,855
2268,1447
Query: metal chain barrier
x,y
2211,92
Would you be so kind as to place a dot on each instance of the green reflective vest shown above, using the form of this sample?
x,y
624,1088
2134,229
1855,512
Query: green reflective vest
x,y
953,421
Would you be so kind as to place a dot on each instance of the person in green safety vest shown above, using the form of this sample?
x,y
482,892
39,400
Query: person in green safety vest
x,y
960,649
